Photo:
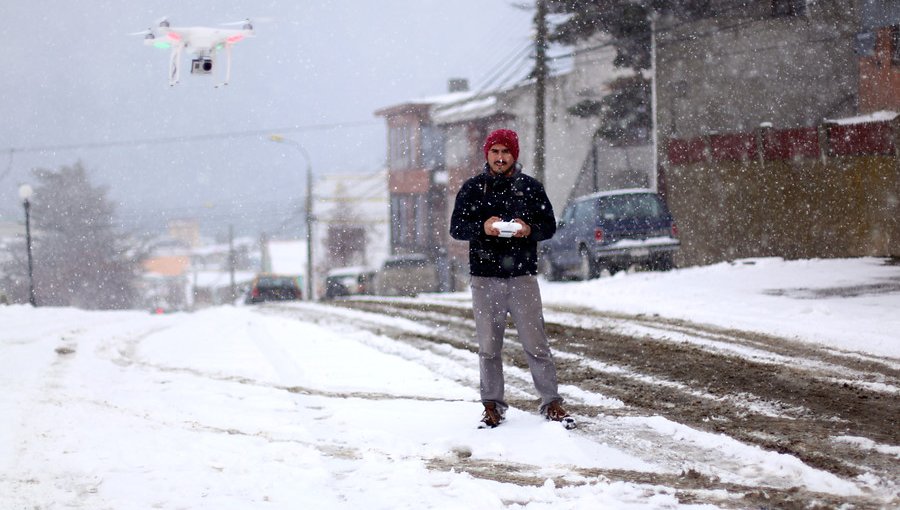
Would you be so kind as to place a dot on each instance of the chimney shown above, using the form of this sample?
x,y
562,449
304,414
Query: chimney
x,y
458,85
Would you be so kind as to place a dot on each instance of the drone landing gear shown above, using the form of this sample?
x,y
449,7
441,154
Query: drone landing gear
x,y
174,70
227,66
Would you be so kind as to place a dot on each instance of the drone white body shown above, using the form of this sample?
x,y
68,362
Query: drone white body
x,y
203,43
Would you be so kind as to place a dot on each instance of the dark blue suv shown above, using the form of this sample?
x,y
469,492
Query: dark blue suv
x,y
611,230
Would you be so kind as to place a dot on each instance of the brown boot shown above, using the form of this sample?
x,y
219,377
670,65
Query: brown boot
x,y
555,411
491,416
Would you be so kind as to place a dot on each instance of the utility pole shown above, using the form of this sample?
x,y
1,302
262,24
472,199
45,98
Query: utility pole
x,y
654,16
308,209
25,192
232,259
540,74
310,289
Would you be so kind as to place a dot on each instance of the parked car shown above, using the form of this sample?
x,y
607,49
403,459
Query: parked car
x,y
406,275
349,281
611,230
274,287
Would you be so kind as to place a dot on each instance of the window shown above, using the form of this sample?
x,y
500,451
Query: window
x,y
400,146
409,221
584,212
788,8
641,205
895,45
569,214
420,236
432,146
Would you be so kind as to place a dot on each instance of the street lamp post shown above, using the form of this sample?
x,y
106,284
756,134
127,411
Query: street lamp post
x,y
309,218
25,193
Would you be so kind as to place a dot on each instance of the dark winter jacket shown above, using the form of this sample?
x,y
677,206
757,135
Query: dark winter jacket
x,y
508,197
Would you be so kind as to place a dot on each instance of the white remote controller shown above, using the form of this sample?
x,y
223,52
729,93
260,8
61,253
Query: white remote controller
x,y
507,228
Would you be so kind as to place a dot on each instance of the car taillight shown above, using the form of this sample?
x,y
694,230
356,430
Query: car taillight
x,y
674,229
255,292
598,234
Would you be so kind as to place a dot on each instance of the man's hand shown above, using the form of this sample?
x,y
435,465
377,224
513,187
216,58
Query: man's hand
x,y
525,231
489,228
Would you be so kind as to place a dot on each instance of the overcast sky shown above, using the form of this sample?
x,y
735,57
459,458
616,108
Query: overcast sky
x,y
77,88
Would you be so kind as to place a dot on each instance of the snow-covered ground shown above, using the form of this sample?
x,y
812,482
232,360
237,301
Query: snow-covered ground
x,y
851,304
237,407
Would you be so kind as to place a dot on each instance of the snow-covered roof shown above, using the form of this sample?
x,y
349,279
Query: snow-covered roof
x,y
212,249
349,271
442,99
881,116
610,193
425,102
466,110
221,279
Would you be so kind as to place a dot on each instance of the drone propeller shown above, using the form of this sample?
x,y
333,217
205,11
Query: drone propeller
x,y
148,33
163,22
247,23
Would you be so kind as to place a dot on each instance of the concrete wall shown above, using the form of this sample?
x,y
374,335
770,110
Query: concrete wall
x,y
746,67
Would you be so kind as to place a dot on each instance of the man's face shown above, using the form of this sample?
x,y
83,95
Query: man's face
x,y
499,159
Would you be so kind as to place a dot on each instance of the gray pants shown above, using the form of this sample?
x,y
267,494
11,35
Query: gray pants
x,y
492,299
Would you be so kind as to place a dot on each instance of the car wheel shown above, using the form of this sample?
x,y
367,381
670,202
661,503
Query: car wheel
x,y
587,269
548,269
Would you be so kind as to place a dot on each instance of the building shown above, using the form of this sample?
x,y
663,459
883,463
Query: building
x,y
776,132
878,44
739,71
352,222
779,63
435,144
416,173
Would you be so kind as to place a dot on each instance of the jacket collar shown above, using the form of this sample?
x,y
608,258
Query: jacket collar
x,y
513,172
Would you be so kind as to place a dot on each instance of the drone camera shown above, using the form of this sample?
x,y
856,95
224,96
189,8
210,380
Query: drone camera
x,y
202,65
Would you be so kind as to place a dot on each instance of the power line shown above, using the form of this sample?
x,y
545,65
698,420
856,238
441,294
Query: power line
x,y
191,138
514,59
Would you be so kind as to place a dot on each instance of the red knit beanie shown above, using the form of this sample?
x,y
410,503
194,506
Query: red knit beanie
x,y
505,137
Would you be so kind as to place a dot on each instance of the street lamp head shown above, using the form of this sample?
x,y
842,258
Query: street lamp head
x,y
25,191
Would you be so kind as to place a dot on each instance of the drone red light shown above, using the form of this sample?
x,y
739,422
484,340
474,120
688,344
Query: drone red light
x,y
235,38
174,36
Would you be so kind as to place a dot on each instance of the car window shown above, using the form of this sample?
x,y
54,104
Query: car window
x,y
275,282
584,212
405,263
568,214
631,206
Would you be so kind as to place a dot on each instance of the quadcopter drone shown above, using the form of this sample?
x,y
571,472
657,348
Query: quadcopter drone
x,y
203,42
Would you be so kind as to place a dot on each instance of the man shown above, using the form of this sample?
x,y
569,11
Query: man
x,y
503,265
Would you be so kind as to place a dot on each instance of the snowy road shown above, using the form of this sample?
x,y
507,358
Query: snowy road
x,y
373,404
691,399
233,408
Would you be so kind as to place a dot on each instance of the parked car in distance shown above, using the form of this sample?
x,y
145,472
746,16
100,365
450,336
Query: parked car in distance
x,y
406,275
274,287
349,281
611,230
